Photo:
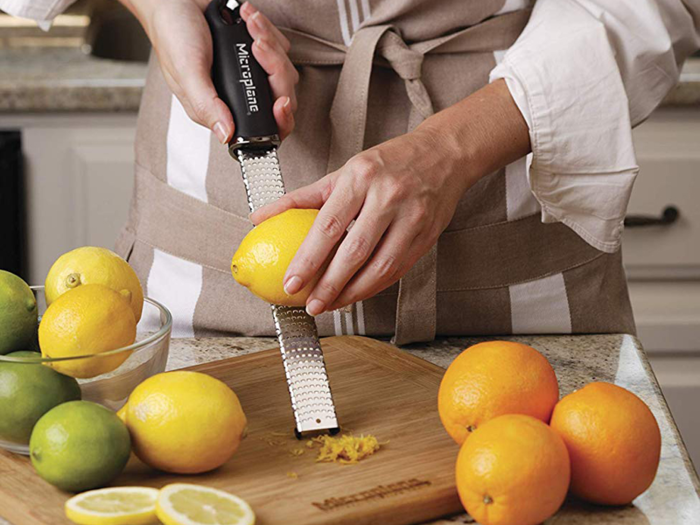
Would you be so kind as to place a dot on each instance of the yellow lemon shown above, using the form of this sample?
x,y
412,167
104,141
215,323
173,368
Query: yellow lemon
x,y
187,504
92,265
184,422
114,506
264,255
89,319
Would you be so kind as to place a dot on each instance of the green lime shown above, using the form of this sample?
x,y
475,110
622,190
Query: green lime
x,y
79,446
18,314
27,392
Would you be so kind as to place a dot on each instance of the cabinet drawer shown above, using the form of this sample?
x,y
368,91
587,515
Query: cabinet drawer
x,y
668,152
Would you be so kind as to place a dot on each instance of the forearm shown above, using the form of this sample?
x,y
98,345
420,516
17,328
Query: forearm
x,y
481,134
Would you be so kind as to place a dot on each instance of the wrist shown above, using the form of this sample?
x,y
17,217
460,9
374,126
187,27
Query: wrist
x,y
481,134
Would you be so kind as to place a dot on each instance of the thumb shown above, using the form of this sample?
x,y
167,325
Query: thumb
x,y
311,196
206,108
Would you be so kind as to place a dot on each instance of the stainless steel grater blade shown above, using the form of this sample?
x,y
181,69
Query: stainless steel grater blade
x,y
302,355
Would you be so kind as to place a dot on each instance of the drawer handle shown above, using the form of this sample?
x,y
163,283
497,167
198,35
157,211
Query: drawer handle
x,y
668,216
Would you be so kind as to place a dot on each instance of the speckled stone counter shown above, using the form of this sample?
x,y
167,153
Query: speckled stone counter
x,y
66,79
674,496
673,499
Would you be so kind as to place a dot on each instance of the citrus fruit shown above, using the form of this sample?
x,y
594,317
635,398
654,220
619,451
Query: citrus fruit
x,y
114,506
18,314
513,470
613,440
492,379
264,255
93,265
185,504
79,446
184,422
27,392
90,319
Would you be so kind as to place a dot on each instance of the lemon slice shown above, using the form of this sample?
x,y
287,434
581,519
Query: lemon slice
x,y
185,504
114,506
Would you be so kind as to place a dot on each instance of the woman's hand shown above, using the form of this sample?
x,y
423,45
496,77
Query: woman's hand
x,y
182,40
401,194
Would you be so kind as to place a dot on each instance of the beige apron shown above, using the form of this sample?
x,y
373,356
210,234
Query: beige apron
x,y
370,70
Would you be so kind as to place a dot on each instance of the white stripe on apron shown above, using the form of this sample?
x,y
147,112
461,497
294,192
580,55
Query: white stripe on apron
x,y
512,5
177,283
540,306
171,280
188,153
520,202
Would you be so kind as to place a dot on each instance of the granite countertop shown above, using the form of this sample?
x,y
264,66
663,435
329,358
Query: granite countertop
x,y
674,496
66,79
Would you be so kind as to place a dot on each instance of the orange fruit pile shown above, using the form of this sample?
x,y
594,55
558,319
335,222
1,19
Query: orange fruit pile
x,y
515,466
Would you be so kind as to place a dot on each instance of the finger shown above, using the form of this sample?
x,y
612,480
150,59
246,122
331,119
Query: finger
x,y
282,74
284,116
398,247
205,106
259,25
352,253
312,196
330,225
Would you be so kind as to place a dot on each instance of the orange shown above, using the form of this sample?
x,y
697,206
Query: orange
x,y
613,440
513,469
492,379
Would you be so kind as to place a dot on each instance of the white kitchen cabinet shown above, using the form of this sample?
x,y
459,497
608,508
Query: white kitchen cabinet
x,y
78,178
663,262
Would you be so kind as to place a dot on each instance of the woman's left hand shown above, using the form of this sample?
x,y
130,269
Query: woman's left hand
x,y
401,194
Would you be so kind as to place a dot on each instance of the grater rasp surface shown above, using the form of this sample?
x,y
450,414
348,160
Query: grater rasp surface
x,y
304,366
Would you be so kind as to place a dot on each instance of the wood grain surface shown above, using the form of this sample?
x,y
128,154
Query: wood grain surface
x,y
377,389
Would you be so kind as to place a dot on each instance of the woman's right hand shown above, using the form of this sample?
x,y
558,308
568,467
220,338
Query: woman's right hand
x,y
182,41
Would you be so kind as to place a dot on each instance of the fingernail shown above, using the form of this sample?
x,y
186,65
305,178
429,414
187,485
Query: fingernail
x,y
220,132
262,45
254,19
315,307
287,106
293,285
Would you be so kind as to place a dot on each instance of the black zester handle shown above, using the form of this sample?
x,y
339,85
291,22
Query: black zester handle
x,y
238,78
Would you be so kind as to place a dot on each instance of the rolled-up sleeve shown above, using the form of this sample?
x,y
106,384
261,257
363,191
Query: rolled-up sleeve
x,y
583,73
42,11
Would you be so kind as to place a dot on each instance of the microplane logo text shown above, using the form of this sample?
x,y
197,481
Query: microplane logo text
x,y
378,492
249,88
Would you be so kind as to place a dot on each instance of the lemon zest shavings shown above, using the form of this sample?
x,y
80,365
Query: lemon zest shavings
x,y
345,449
292,475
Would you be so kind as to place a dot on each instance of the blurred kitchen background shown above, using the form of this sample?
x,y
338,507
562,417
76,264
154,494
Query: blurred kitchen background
x,y
68,105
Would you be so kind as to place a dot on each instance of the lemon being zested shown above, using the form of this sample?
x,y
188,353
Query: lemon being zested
x,y
264,255
114,506
185,504
184,422
89,319
93,265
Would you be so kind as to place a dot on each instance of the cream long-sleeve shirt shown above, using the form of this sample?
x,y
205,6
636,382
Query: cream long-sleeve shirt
x,y
582,73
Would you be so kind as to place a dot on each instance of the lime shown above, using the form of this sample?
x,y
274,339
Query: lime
x,y
27,392
79,446
18,314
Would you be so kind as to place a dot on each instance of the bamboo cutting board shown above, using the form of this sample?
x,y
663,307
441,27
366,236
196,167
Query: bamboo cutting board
x,y
377,389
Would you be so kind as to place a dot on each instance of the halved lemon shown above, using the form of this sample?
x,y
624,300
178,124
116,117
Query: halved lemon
x,y
114,506
185,504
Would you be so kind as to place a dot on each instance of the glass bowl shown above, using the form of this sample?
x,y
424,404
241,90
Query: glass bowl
x,y
147,356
